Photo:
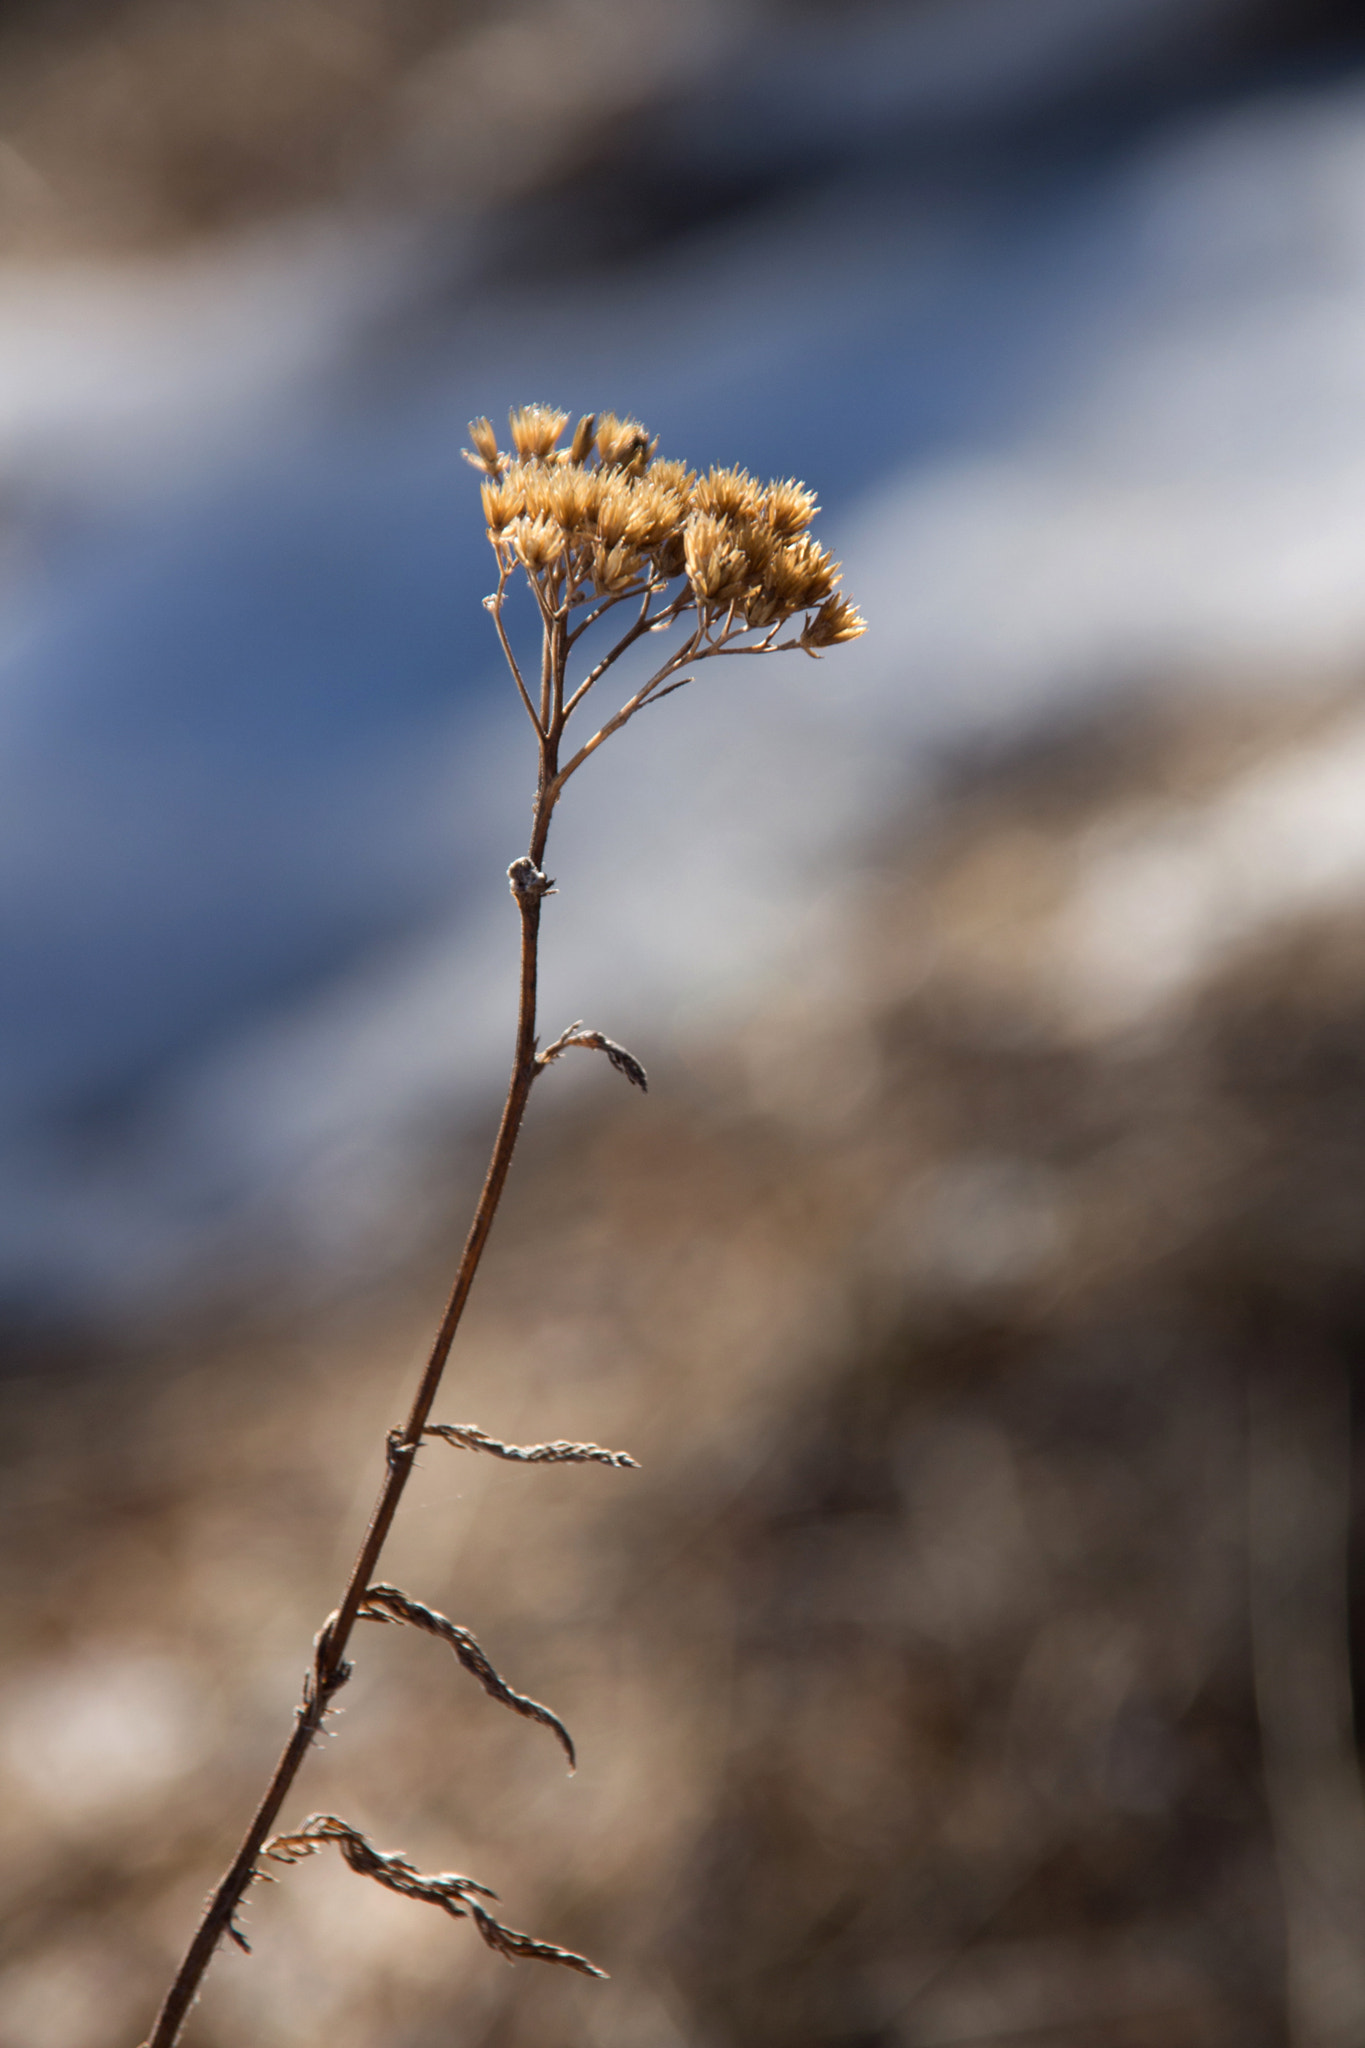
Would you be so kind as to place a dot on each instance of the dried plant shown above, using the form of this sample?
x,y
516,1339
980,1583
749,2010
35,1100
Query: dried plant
x,y
721,564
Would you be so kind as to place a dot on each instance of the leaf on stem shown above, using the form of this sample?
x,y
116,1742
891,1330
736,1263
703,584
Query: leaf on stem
x,y
390,1603
597,1041
458,1896
464,1436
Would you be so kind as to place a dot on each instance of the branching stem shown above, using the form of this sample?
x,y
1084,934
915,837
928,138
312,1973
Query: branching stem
x,y
642,696
750,544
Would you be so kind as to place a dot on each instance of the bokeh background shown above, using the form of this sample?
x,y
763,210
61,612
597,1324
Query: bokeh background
x,y
976,1657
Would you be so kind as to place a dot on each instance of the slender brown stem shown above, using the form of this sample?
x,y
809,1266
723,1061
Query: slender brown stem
x,y
642,696
556,578
646,623
494,604
330,1669
599,611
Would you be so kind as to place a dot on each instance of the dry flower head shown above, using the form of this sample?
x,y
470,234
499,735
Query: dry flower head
x,y
603,519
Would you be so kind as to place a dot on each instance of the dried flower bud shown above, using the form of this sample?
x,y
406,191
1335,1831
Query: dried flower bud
x,y
615,569
754,539
535,429
485,455
731,493
538,542
789,507
615,509
542,487
503,501
670,557
837,620
655,514
675,477
604,519
623,444
569,496
812,574
789,579
715,567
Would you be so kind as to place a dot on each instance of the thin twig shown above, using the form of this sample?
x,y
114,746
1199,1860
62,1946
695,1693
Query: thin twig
x,y
599,611
762,647
628,710
648,622
493,604
681,684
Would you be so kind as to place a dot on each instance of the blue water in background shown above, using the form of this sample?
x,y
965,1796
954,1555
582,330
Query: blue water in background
x,y
213,712
254,741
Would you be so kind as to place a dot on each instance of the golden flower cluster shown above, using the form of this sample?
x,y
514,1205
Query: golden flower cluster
x,y
604,518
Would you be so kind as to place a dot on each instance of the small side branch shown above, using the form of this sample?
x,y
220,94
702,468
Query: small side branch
x,y
609,603
692,648
390,1603
493,604
597,1041
659,695
647,622
463,1436
458,1896
234,1932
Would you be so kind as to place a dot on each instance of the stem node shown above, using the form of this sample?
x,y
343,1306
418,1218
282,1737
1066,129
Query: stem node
x,y
529,885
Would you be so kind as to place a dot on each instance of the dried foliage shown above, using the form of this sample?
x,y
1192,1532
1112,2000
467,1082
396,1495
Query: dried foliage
x,y
721,559
604,522
389,1603
597,1041
464,1436
458,1896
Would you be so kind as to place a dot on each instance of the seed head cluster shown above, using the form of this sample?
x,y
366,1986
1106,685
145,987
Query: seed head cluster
x,y
604,518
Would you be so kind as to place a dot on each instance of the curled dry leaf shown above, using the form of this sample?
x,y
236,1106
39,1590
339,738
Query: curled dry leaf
x,y
456,1895
519,1947
597,1041
465,1437
390,1603
623,1061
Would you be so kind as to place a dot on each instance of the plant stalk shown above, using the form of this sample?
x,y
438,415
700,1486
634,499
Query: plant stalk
x,y
748,559
330,1670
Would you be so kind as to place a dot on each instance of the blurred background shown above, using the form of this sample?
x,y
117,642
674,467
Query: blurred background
x,y
978,1656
